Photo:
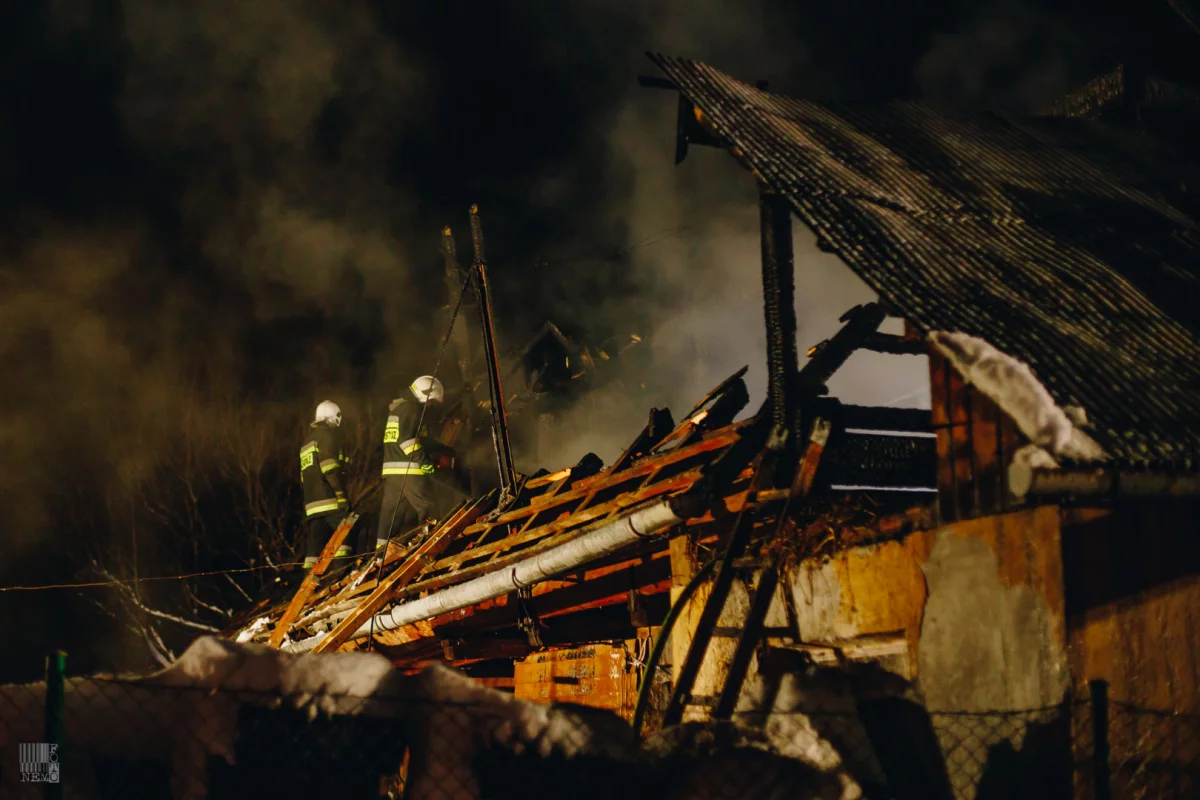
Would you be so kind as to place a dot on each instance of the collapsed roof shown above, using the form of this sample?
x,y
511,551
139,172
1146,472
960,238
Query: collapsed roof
x,y
1060,245
456,581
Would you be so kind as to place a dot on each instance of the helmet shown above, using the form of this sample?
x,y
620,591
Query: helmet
x,y
427,388
329,412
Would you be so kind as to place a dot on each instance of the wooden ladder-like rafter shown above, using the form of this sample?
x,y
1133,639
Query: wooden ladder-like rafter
x,y
725,703
309,584
419,559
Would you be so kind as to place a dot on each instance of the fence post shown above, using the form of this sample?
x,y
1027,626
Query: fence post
x,y
56,667
1101,775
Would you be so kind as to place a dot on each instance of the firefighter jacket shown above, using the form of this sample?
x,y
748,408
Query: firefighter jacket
x,y
321,460
406,450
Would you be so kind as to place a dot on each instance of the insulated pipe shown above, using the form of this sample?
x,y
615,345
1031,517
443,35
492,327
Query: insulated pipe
x,y
1024,480
610,538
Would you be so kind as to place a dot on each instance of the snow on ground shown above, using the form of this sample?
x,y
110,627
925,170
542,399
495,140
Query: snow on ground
x,y
188,712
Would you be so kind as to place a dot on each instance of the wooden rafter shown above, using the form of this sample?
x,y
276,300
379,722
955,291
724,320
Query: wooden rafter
x,y
309,584
420,558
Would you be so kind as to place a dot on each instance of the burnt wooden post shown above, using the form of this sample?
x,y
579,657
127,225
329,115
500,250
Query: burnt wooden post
x,y
779,306
1101,777
504,460
56,667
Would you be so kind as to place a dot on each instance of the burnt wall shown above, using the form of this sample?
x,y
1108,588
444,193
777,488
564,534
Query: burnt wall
x,y
980,603
1133,602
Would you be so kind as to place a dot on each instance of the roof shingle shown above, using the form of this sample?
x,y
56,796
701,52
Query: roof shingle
x,y
1057,244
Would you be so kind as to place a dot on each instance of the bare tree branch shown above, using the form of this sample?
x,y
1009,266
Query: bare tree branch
x,y
195,598
238,586
132,597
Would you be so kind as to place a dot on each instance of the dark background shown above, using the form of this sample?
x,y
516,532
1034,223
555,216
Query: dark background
x,y
219,204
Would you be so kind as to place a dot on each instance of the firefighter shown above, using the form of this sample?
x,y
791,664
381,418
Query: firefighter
x,y
414,464
321,460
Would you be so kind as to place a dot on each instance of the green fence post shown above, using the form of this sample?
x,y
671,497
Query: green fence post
x,y
56,667
1101,770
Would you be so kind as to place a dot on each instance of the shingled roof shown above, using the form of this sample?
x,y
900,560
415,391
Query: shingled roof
x,y
1053,241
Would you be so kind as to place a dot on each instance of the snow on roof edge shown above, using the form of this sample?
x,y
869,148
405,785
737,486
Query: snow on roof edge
x,y
1014,388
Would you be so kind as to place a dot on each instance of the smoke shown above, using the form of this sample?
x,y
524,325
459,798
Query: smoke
x,y
1010,55
218,204
699,307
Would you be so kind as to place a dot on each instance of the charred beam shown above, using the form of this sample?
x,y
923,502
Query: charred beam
x,y
894,345
1025,480
661,423
872,418
861,322
779,305
584,627
504,460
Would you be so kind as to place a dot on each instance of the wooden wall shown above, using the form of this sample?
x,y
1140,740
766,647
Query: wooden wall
x,y
975,442
1133,602
888,588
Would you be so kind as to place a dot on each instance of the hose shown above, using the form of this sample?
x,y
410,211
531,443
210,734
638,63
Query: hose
x,y
660,643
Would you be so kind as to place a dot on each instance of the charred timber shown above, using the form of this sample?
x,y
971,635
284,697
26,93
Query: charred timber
x,y
861,323
627,529
504,460
779,307
660,425
1099,482
875,418
894,345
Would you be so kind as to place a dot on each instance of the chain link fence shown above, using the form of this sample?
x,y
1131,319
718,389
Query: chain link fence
x,y
131,739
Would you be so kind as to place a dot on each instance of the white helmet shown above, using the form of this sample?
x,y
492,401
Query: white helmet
x,y
427,388
329,412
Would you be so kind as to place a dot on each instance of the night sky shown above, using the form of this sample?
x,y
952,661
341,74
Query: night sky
x,y
216,213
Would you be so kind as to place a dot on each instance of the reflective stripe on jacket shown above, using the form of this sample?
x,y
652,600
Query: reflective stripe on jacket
x,y
403,448
321,459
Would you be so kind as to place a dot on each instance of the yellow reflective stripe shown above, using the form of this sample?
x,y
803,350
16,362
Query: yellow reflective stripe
x,y
406,468
319,506
308,454
391,432
410,446
329,464
341,552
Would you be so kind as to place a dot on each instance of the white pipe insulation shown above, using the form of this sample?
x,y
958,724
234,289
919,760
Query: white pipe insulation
x,y
603,541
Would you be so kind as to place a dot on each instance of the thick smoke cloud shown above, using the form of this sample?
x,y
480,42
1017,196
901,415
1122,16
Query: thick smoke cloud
x,y
218,205
1010,55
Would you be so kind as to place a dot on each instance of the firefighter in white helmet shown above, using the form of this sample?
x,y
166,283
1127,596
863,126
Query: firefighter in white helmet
x,y
413,491
321,460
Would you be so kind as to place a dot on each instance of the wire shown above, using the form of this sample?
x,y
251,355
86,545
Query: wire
x,y
151,579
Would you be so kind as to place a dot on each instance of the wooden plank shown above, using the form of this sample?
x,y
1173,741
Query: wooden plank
x,y
940,419
713,440
415,562
615,505
806,473
553,477
660,424
309,584
721,439
985,444
719,592
959,402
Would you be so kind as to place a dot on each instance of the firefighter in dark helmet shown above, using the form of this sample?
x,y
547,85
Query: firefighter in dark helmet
x,y
321,461
414,464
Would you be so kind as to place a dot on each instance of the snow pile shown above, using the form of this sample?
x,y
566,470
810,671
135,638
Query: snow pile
x,y
474,741
1019,394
